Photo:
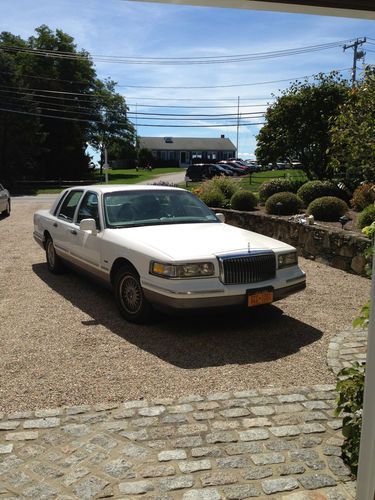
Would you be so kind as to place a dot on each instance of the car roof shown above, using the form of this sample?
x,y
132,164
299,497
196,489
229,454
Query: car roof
x,y
112,188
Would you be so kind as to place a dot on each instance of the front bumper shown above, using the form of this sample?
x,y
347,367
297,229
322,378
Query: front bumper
x,y
183,302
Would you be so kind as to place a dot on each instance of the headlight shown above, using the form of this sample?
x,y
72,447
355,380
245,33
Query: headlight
x,y
194,270
287,259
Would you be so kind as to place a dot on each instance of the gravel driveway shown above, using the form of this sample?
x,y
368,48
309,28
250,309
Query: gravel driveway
x,y
63,341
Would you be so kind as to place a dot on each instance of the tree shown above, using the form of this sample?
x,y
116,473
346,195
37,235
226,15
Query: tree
x,y
21,136
353,134
297,124
52,106
112,129
67,126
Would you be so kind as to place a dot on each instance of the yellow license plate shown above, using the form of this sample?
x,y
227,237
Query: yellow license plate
x,y
259,298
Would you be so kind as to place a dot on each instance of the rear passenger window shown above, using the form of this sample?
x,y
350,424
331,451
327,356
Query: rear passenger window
x,y
69,205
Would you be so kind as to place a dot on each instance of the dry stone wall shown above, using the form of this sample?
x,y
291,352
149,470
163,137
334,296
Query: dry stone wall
x,y
335,247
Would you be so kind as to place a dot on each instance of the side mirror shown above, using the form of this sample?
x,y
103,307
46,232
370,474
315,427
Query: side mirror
x,y
221,217
88,225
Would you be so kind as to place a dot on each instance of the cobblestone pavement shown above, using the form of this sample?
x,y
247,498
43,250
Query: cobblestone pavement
x,y
266,443
346,347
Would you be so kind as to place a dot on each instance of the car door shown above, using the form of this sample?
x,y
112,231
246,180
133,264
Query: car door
x,y
85,247
63,224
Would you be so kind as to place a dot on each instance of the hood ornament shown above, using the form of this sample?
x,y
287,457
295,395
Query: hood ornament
x,y
248,247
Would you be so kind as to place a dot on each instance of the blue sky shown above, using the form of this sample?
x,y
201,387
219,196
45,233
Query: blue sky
x,y
127,28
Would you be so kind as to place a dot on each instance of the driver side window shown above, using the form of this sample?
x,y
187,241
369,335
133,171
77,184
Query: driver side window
x,y
89,209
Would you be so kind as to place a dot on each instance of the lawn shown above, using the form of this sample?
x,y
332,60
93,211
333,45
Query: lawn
x,y
129,176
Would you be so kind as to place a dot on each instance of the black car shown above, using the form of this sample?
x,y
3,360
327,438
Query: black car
x,y
202,171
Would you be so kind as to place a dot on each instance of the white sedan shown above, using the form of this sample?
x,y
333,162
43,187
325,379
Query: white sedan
x,y
162,247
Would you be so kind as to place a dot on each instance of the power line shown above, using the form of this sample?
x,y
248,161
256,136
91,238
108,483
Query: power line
x,y
229,85
159,116
125,123
187,87
175,60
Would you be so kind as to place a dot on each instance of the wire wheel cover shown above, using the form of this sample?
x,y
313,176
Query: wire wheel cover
x,y
130,294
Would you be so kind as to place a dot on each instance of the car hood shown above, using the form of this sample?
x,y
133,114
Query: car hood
x,y
193,241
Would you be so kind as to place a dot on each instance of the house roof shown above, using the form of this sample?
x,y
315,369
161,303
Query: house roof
x,y
187,143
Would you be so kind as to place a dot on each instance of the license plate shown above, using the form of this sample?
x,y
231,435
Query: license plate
x,y
259,298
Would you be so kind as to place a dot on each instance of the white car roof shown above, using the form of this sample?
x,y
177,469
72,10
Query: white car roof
x,y
111,188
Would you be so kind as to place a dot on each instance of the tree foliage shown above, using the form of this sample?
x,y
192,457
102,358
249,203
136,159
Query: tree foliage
x,y
297,124
353,133
112,131
51,108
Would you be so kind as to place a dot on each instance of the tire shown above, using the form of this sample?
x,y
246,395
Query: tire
x,y
54,263
129,295
7,210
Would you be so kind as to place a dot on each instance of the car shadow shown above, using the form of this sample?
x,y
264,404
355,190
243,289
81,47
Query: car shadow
x,y
191,340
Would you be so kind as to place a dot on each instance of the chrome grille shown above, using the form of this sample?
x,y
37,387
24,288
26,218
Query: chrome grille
x,y
249,268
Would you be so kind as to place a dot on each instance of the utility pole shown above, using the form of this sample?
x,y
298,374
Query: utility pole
x,y
357,54
238,120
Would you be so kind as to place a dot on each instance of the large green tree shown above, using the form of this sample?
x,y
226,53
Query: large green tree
x,y
20,133
353,133
52,107
297,124
112,129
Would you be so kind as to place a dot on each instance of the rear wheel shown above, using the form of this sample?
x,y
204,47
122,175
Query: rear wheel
x,y
129,295
7,210
54,263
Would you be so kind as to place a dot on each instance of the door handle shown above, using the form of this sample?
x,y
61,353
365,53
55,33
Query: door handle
x,y
73,231
55,224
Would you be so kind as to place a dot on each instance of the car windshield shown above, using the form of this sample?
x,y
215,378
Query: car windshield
x,y
149,208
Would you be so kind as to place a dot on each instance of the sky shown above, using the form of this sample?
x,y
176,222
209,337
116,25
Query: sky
x,y
151,30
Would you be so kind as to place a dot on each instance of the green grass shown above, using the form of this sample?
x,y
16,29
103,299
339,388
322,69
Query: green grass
x,y
130,176
254,182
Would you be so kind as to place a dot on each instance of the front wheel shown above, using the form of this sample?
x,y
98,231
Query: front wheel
x,y
130,297
54,263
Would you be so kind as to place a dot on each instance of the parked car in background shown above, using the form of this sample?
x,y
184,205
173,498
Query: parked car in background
x,y
203,171
235,170
227,171
4,201
240,169
162,247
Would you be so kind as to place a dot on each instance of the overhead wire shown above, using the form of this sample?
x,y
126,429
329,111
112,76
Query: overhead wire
x,y
187,87
124,123
174,60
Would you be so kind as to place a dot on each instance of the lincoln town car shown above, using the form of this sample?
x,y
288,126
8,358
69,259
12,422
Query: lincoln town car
x,y
160,247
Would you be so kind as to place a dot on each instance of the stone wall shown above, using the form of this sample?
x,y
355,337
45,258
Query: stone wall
x,y
335,247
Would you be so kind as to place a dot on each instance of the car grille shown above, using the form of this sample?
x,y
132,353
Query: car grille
x,y
248,268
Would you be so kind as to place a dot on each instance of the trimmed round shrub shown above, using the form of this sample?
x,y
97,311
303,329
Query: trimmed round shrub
x,y
290,204
366,217
227,186
363,196
243,200
312,190
327,208
269,188
212,198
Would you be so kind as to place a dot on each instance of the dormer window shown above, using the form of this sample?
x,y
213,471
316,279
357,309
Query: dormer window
x,y
168,139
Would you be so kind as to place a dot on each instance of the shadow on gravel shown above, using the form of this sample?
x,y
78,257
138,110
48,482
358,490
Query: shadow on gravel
x,y
190,341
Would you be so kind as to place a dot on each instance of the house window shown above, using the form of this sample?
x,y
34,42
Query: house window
x,y
196,155
211,155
